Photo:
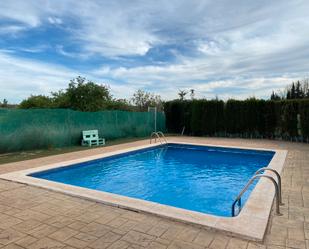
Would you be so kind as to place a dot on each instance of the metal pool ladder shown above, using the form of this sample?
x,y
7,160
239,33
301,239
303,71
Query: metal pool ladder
x,y
277,185
158,135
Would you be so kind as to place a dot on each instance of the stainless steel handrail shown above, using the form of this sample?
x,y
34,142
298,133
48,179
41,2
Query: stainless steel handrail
x,y
238,198
278,178
162,135
157,136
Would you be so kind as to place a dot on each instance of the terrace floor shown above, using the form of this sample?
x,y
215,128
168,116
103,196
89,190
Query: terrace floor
x,y
35,218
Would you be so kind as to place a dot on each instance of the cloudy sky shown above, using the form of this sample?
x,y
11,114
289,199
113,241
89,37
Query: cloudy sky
x,y
219,48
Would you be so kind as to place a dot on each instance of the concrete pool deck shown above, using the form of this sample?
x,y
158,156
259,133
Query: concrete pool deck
x,y
36,218
256,210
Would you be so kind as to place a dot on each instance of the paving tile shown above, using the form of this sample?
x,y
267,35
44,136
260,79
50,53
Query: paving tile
x,y
117,222
107,217
129,225
12,246
95,229
42,231
8,221
76,243
26,241
253,245
172,232
296,233
119,244
219,241
77,225
138,238
295,244
88,217
69,247
105,241
135,247
47,243
235,243
59,221
63,234
8,236
29,214
156,245
276,247
158,230
85,237
119,231
27,225
178,244
275,239
143,227
188,234
163,241
204,238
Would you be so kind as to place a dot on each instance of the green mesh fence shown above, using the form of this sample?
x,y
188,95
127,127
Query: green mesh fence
x,y
45,128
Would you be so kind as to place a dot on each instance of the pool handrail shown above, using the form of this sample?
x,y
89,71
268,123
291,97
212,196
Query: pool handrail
x,y
157,135
278,178
162,135
238,198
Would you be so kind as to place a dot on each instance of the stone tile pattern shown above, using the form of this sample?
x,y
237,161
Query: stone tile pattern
x,y
35,218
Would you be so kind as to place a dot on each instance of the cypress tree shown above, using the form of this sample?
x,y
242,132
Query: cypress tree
x,y
293,93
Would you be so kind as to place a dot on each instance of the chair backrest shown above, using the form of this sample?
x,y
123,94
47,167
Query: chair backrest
x,y
90,135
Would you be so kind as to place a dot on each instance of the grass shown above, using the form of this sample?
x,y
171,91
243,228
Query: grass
x,y
32,154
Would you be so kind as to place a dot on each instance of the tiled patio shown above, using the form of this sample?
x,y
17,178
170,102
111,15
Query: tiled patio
x,y
35,218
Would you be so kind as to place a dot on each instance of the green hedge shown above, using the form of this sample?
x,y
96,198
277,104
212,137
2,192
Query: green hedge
x,y
44,128
286,119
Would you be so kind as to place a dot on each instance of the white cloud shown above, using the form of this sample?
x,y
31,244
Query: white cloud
x,y
251,47
27,14
19,78
54,20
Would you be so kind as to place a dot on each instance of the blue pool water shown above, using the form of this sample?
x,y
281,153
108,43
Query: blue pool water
x,y
199,178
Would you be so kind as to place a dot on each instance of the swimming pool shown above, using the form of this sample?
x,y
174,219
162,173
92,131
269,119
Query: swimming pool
x,y
198,178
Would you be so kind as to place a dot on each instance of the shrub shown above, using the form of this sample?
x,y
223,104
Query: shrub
x,y
38,101
247,118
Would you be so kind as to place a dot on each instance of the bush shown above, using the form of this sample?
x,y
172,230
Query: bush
x,y
304,117
179,115
207,117
247,118
289,111
39,101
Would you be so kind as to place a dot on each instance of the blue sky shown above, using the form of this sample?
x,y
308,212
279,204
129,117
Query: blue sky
x,y
229,49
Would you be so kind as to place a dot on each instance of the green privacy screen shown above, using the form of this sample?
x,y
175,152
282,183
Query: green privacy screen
x,y
45,128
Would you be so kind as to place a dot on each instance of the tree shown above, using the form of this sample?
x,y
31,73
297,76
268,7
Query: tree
x,y
85,95
299,94
293,91
275,96
81,95
36,101
298,90
142,100
182,94
119,104
61,99
5,103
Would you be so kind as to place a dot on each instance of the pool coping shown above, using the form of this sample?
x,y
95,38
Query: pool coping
x,y
251,223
